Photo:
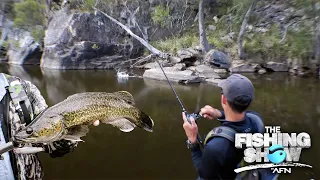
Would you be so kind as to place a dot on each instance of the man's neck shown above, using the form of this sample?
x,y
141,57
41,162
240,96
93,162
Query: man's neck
x,y
234,117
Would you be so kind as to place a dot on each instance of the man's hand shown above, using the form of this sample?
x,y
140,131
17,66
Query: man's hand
x,y
96,123
210,112
190,129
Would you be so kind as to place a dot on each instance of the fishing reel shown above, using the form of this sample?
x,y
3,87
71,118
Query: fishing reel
x,y
195,116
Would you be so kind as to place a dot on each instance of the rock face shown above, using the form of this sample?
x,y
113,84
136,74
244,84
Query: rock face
x,y
188,56
85,41
174,74
213,81
276,67
244,68
206,72
22,48
217,58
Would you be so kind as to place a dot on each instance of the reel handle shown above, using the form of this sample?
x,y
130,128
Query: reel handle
x,y
195,116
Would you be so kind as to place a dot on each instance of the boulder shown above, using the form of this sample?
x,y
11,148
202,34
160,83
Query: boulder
x,y
179,67
86,41
153,65
213,81
188,56
276,67
217,58
22,49
212,27
174,59
186,76
220,71
244,68
262,71
206,72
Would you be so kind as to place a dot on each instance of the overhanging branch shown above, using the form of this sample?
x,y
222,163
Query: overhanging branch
x,y
142,41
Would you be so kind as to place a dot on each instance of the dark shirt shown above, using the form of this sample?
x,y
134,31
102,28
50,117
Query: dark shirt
x,y
219,157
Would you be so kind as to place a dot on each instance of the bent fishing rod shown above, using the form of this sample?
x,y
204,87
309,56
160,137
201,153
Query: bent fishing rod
x,y
157,53
195,116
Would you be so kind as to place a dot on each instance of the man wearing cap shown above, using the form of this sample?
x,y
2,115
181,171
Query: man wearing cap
x,y
219,157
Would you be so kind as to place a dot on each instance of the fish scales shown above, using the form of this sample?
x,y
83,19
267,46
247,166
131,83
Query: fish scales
x,y
85,116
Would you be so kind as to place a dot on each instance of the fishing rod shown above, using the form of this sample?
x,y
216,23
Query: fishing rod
x,y
195,116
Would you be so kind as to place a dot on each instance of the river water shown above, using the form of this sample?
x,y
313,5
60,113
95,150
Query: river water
x,y
107,153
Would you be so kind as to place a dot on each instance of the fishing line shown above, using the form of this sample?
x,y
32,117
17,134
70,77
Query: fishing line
x,y
175,93
195,116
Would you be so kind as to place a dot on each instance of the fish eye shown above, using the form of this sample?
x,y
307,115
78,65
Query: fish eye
x,y
29,130
35,134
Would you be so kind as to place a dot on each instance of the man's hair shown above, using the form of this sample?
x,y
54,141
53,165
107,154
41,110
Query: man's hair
x,y
238,108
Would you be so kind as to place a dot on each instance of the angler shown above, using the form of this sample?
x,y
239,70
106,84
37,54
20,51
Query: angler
x,y
219,156
21,101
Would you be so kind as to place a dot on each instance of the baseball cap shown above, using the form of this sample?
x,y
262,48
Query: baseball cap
x,y
238,89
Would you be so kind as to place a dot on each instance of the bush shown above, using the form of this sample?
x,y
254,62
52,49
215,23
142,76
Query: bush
x,y
174,44
29,14
38,34
160,15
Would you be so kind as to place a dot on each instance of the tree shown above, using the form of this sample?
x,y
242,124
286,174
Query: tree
x,y
204,45
243,28
29,14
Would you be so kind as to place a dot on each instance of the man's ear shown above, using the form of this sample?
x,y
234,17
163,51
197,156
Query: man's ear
x,y
224,100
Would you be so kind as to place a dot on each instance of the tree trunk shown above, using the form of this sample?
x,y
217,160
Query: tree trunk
x,y
2,22
243,28
317,50
202,29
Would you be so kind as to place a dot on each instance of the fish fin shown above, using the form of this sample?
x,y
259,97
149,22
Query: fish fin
x,y
72,138
125,95
122,123
75,133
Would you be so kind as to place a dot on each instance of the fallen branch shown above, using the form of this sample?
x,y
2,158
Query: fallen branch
x,y
285,32
132,17
142,41
147,58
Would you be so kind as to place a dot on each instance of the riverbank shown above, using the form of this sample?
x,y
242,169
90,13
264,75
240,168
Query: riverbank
x,y
277,38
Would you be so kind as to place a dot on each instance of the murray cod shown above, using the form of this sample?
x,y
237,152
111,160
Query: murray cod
x,y
70,118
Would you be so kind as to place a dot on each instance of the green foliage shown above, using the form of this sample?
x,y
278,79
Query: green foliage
x,y
303,3
29,14
7,43
95,47
38,34
300,44
160,15
269,45
174,44
216,41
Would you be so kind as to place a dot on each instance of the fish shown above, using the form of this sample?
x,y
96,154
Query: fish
x,y
70,118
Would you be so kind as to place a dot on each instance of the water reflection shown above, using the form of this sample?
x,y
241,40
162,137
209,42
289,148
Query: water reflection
x,y
291,102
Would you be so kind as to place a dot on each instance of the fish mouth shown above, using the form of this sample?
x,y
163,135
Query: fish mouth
x,y
148,129
21,139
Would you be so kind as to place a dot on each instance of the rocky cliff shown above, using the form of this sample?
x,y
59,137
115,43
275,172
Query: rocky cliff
x,y
85,41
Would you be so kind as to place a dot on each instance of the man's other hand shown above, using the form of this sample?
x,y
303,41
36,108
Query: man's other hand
x,y
96,123
209,112
190,129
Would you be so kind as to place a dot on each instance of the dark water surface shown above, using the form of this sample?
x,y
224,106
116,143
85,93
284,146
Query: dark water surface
x,y
107,153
